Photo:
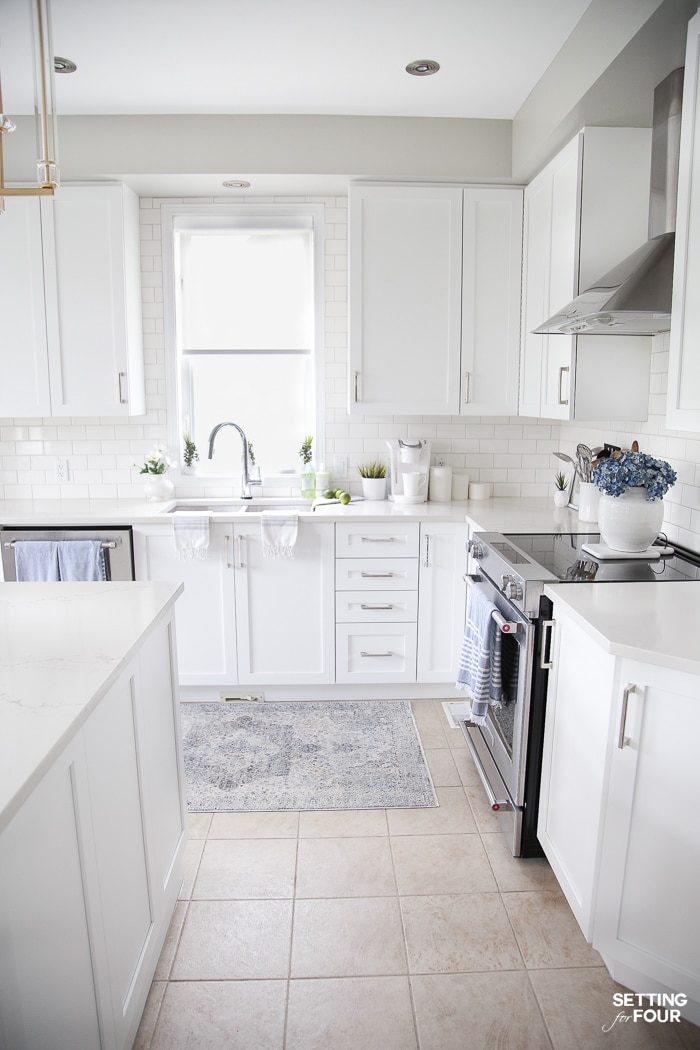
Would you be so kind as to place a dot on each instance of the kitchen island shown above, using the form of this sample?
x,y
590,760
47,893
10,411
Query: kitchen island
x,y
92,822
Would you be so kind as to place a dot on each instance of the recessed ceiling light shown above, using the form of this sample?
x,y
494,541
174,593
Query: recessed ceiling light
x,y
425,67
236,184
63,65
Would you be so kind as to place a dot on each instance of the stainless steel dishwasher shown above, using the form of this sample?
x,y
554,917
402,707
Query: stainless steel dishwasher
x,y
117,548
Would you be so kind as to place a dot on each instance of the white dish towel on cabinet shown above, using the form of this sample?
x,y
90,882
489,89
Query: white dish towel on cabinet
x,y
279,533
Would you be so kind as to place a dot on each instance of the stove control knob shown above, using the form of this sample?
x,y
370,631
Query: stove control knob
x,y
511,588
475,549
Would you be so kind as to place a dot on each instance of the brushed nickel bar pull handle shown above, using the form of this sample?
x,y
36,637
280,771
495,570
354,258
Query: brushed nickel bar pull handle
x,y
238,564
376,575
357,379
121,378
377,539
621,738
563,369
467,383
375,608
227,551
427,552
547,625
375,654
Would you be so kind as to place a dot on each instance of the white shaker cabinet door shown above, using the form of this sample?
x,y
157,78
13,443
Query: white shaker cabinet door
x,y
491,277
285,620
205,613
92,272
405,299
683,403
647,918
442,596
24,390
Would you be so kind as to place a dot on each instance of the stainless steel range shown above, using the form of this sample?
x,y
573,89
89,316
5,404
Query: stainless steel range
x,y
513,572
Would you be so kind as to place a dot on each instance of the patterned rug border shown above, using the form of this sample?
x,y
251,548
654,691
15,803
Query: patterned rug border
x,y
354,768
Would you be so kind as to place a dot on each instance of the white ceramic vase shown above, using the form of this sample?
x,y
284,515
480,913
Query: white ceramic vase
x,y
629,522
158,487
561,498
374,488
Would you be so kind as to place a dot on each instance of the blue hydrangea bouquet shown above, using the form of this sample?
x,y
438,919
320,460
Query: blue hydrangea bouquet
x,y
617,474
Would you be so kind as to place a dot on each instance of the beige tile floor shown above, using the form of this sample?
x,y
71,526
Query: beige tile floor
x,y
381,930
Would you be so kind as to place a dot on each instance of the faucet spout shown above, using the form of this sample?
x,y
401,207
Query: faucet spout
x,y
246,481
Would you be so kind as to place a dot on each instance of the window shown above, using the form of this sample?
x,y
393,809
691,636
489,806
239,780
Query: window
x,y
243,340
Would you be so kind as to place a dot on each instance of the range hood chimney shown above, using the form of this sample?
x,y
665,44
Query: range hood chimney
x,y
635,297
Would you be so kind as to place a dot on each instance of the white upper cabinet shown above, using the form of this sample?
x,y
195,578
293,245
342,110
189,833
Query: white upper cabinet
x,y
584,213
434,299
683,404
491,277
23,353
71,330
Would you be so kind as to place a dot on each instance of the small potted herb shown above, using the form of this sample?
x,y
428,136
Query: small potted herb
x,y
561,494
190,455
308,479
373,476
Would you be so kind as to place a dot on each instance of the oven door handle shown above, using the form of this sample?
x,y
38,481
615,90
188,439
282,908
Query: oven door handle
x,y
547,631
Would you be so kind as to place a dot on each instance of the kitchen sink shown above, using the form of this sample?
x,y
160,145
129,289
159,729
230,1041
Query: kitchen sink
x,y
255,506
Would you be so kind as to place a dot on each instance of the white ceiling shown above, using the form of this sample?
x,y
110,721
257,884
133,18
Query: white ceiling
x,y
296,56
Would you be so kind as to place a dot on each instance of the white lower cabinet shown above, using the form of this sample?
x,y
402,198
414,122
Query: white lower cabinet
x,y
284,608
442,596
647,921
91,869
205,613
618,810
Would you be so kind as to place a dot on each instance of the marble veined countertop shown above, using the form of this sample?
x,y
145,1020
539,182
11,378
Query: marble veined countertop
x,y
62,645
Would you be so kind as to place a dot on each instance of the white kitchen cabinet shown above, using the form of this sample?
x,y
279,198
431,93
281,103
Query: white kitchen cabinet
x,y
650,852
583,214
71,331
23,350
574,776
441,600
492,243
618,803
284,608
434,276
92,866
683,398
206,612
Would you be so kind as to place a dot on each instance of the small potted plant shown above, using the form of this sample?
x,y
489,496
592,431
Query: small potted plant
x,y
157,486
373,479
308,480
561,487
190,455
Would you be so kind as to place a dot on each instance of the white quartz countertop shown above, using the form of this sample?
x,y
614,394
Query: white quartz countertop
x,y
650,622
512,515
62,645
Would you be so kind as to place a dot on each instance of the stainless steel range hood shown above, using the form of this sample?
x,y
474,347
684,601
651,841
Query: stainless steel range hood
x,y
635,297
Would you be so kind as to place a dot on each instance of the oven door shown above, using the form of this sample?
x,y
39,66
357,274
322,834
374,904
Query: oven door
x,y
501,744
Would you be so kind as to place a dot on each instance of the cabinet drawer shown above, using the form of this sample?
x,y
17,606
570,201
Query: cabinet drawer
x,y
370,574
376,652
376,606
377,539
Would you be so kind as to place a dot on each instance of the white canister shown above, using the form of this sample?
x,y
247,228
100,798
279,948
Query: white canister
x,y
479,490
588,499
460,485
440,486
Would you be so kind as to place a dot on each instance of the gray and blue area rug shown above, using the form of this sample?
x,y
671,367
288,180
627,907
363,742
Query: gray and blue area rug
x,y
308,755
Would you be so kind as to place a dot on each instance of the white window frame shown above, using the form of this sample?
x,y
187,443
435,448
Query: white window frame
x,y
219,215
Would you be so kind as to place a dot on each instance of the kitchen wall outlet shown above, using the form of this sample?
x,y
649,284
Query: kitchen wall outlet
x,y
340,466
61,469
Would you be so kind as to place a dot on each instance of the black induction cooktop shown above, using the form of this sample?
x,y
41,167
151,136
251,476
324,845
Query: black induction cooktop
x,y
563,555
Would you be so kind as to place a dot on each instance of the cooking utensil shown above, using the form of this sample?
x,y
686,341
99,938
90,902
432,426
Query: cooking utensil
x,y
585,459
